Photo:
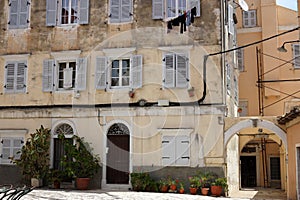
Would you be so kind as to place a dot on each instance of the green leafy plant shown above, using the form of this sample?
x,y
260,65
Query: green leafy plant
x,y
206,178
194,181
221,182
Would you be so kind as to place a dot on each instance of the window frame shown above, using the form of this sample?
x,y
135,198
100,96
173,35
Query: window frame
x,y
60,13
58,78
120,73
18,15
240,60
249,19
11,135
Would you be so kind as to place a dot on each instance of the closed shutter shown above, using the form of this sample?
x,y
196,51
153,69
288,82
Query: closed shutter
x,y
136,71
51,7
6,146
126,10
9,77
181,71
169,71
115,11
245,19
23,13
230,20
195,3
10,148
13,14
68,74
84,12
157,9
101,73
240,56
182,150
21,77
17,144
81,74
253,18
168,150
296,51
48,80
171,8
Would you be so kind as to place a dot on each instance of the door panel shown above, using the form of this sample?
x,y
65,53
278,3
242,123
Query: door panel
x,y
248,171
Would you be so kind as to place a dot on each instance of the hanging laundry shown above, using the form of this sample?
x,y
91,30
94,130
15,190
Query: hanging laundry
x,y
193,14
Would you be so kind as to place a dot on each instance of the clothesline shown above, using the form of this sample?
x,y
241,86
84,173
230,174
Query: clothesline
x,y
185,19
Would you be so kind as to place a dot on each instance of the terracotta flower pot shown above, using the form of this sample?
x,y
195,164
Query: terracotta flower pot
x,y
193,190
164,188
82,183
216,190
204,191
56,184
181,191
173,187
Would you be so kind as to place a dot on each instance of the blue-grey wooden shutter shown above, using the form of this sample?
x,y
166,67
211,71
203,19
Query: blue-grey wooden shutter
x,y
182,150
169,71
51,10
115,11
195,3
157,9
137,71
24,13
6,151
101,73
81,74
48,73
182,64
9,77
168,150
13,14
126,10
21,77
84,12
171,8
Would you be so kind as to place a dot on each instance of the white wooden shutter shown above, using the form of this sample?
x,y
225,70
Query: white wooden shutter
x,y
240,58
21,77
51,12
168,150
115,11
182,150
296,52
252,18
9,77
84,12
101,73
136,71
157,9
195,3
182,64
169,71
68,72
13,14
126,10
230,20
48,73
81,74
23,13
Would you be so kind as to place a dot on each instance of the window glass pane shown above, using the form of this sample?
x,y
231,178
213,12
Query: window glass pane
x,y
114,81
65,11
125,81
181,6
62,66
171,8
74,11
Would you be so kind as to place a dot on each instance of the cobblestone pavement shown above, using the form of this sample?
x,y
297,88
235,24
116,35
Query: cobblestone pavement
x,y
262,194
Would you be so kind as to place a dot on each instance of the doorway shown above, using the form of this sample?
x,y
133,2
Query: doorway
x,y
248,171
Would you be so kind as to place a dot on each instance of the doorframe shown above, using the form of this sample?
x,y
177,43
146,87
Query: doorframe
x,y
104,155
257,157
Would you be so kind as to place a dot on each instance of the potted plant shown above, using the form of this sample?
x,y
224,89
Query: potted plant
x,y
34,159
181,188
163,185
172,184
205,180
55,177
79,162
218,186
194,184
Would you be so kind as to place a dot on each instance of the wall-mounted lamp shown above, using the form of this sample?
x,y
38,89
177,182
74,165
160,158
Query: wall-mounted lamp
x,y
282,49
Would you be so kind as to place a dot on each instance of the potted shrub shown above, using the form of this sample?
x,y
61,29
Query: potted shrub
x,y
181,188
79,162
34,159
55,177
205,181
218,186
164,185
194,184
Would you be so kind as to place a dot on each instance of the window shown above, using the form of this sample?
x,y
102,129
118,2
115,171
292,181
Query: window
x,y
228,78
119,73
275,168
60,12
240,59
296,52
243,106
64,75
175,150
172,8
176,71
120,11
18,13
15,77
249,18
10,147
236,89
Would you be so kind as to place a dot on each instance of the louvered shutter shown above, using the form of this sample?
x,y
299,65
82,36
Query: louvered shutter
x,y
21,77
240,56
115,11
101,73
84,12
230,20
253,18
51,7
126,10
182,150
48,80
81,74
181,71
6,154
13,14
169,71
157,9
195,3
17,144
68,74
136,71
10,77
171,8
23,13
296,52
245,19
168,150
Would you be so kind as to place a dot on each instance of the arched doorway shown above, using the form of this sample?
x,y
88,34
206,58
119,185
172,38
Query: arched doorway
x,y
117,160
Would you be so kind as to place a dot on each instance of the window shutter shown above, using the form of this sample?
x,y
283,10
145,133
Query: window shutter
x,y
23,13
157,9
195,3
168,150
68,72
84,12
101,72
230,20
182,150
17,144
6,146
240,56
114,11
296,48
169,72
182,64
51,7
126,10
10,77
245,19
48,81
21,77
137,71
81,74
252,18
171,8
13,14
